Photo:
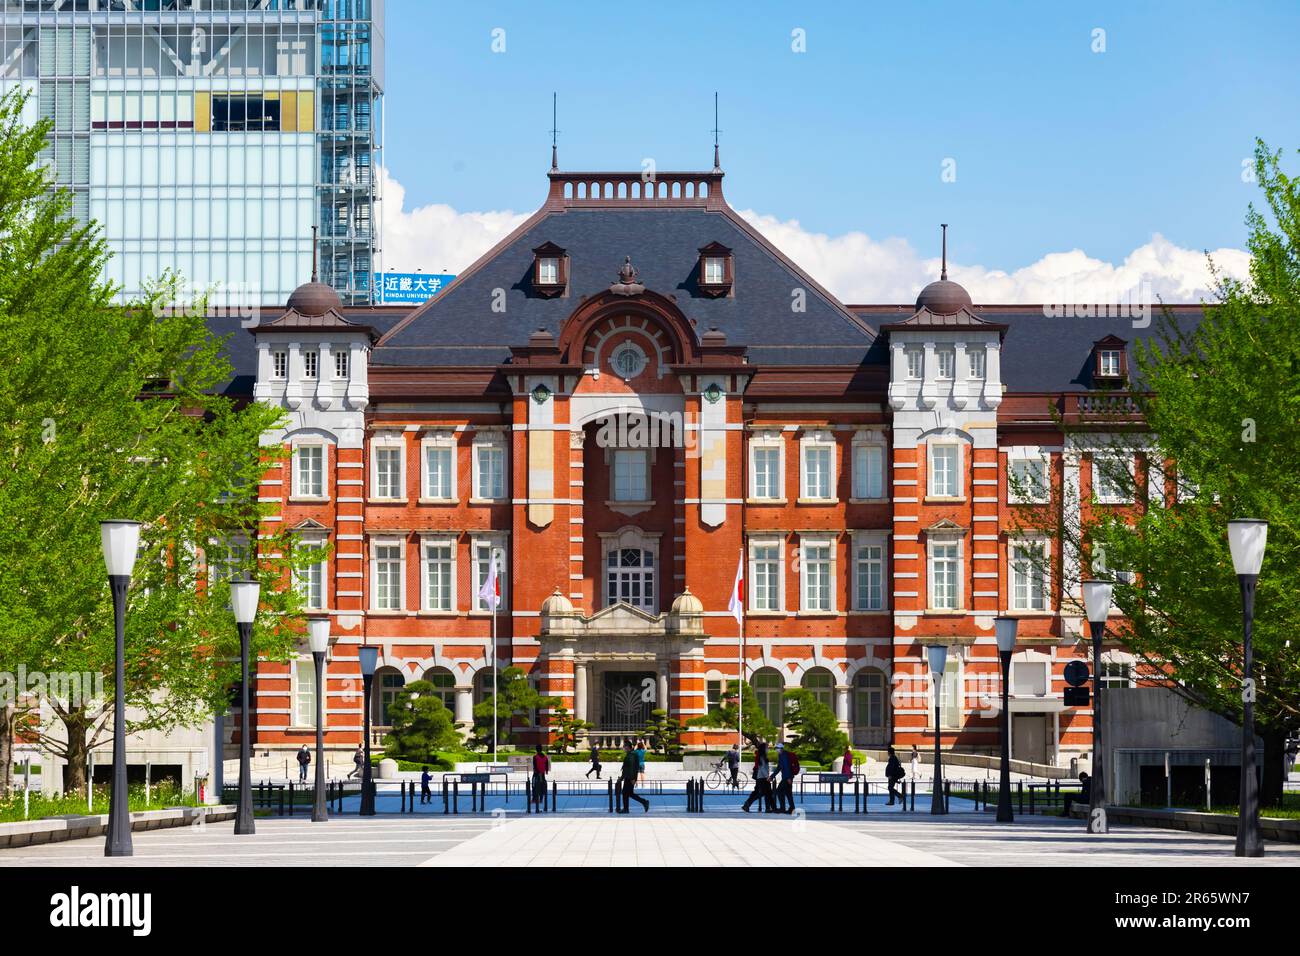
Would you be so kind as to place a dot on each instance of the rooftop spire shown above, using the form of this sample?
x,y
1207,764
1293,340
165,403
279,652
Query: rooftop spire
x,y
555,154
943,274
716,163
313,253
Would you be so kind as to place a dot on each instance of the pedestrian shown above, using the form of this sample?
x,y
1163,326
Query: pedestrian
x,y
631,770
1083,796
916,762
732,758
358,760
541,767
787,767
595,762
894,772
640,759
762,784
304,759
426,795
846,765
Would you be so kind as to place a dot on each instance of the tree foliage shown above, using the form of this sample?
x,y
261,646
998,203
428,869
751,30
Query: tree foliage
x,y
517,700
421,724
755,728
812,728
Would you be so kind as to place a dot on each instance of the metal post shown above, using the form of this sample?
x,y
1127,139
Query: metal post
x,y
611,795
455,796
1097,786
244,810
1207,784
119,814
318,813
554,796
290,798
367,784
937,805
1004,775
1248,840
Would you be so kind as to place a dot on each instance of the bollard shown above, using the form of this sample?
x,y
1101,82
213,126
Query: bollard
x,y
446,807
700,784
528,796
555,789
1031,799
1020,790
282,800
947,795
290,798
611,795
455,796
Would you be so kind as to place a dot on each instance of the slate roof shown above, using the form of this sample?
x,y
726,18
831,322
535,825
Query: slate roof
x,y
459,327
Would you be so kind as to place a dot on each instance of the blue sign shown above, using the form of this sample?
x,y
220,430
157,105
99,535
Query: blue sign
x,y
411,288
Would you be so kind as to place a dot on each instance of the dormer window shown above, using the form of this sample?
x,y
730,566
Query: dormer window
x,y
1108,363
717,269
550,269
1110,360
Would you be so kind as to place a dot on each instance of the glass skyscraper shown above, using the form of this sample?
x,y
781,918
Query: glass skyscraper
x,y
210,136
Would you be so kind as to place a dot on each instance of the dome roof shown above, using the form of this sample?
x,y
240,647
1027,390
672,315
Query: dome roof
x,y
687,603
314,298
556,604
943,297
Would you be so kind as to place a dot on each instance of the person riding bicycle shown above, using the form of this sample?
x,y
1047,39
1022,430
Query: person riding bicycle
x,y
732,760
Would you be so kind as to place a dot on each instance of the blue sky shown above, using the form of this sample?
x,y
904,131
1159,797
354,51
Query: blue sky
x,y
1056,146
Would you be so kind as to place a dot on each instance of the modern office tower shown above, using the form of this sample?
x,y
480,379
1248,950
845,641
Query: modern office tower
x,y
210,136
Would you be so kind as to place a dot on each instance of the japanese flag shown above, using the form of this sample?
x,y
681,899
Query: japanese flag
x,y
737,605
490,592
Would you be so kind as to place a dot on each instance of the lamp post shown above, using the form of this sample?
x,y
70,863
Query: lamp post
x,y
1096,604
318,629
120,542
938,655
1005,628
243,598
369,657
1246,539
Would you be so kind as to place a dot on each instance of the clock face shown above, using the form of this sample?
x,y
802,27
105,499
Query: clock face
x,y
628,361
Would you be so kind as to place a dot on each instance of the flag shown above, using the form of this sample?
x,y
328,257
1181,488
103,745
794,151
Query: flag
x,y
490,592
737,605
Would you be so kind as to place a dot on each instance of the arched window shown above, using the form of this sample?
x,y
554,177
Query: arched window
x,y
869,707
769,688
630,578
444,685
482,685
822,684
387,684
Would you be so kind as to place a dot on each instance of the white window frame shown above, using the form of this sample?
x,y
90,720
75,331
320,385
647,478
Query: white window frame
x,y
387,541
304,673
426,566
548,270
1043,665
866,472
1106,368
1098,473
817,541
494,442
753,590
479,564
303,579
977,363
1015,495
441,442
957,470
934,541
311,364
279,365
1042,576
388,443
711,263
915,356
945,363
296,476
342,363
860,542
820,442
616,458
954,694
767,443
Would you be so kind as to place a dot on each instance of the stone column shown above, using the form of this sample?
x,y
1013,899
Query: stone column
x,y
580,689
842,705
662,699
465,705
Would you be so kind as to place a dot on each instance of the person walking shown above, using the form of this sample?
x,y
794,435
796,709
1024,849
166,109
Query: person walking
x,y
640,760
732,760
894,772
541,767
358,759
762,782
787,768
595,762
916,762
426,795
631,770
846,765
304,760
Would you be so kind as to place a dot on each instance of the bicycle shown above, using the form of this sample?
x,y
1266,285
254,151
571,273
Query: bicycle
x,y
720,776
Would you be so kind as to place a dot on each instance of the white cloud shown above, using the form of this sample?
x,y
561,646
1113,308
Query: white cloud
x,y
853,266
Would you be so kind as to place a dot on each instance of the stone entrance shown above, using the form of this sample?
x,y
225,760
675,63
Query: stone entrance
x,y
627,698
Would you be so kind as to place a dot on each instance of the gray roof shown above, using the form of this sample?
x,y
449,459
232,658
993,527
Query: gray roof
x,y
459,327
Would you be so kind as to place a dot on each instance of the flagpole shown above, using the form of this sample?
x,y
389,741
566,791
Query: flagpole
x,y
496,602
740,664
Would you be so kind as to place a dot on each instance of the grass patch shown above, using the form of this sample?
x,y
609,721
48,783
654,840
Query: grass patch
x,y
41,806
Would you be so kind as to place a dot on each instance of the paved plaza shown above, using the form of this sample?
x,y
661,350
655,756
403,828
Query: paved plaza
x,y
665,839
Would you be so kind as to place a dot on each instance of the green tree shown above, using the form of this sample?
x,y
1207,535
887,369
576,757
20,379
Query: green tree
x,y
567,729
421,724
812,728
517,700
1224,400
663,732
756,726
117,412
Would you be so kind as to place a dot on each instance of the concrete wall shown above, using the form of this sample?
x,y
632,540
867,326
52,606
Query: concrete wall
x,y
1153,718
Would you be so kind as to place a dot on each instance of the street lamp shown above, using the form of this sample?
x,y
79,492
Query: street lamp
x,y
243,598
1246,539
938,654
1005,628
1096,603
120,541
318,630
369,657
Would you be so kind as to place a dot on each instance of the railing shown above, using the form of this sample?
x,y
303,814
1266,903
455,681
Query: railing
x,y
653,189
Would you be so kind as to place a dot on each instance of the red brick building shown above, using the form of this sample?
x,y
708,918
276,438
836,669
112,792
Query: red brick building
x,y
627,395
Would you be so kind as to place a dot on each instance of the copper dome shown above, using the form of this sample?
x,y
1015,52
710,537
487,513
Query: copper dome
x,y
314,298
943,297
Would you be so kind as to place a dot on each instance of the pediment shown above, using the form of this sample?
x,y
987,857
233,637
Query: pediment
x,y
945,526
624,615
